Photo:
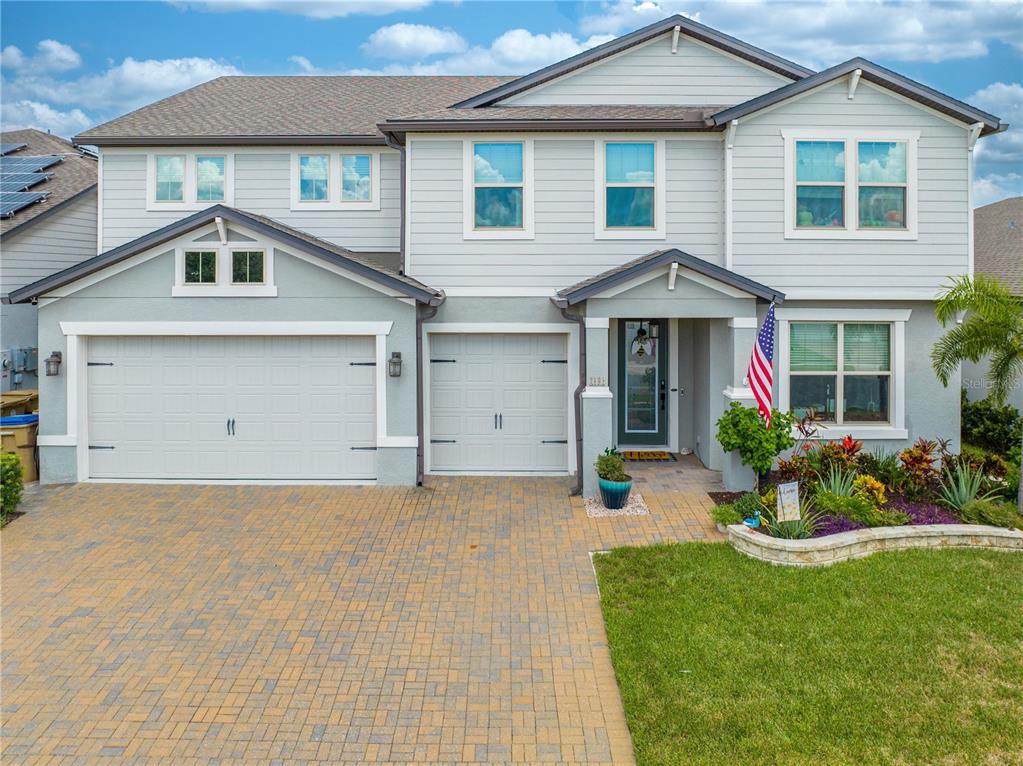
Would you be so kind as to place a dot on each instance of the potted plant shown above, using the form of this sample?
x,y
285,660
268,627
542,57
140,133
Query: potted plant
x,y
615,484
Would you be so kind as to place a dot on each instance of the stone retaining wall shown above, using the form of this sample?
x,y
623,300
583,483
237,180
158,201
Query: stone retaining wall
x,y
822,551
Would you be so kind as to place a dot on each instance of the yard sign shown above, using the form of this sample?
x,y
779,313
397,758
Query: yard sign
x,y
788,501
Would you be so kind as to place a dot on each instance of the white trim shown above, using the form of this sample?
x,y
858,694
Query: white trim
x,y
189,188
683,272
505,328
863,433
851,138
598,323
897,318
469,230
487,291
99,203
738,393
597,392
729,144
854,80
221,229
674,409
226,328
407,192
600,230
65,440
746,323
844,315
469,135
863,293
672,275
674,39
334,201
224,287
971,141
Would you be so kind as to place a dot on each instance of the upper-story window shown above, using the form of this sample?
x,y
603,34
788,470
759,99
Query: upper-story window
x,y
850,184
335,180
498,199
200,267
222,263
210,176
189,180
170,178
630,189
248,267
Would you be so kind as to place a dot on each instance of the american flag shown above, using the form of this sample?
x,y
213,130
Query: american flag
x,y
761,367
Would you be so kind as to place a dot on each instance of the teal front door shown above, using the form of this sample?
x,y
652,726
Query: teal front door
x,y
642,382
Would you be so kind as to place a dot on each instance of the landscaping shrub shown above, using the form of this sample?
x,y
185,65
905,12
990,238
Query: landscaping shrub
x,y
991,512
11,485
837,481
869,489
742,429
884,466
978,458
997,428
919,473
611,467
858,509
749,504
796,529
796,468
961,485
1010,486
770,497
725,514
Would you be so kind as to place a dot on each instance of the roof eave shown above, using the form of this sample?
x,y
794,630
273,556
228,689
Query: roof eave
x,y
349,139
398,127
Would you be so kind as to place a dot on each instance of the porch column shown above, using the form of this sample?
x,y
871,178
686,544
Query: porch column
x,y
597,401
742,333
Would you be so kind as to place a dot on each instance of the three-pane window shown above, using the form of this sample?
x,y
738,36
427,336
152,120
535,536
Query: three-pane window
x,y
841,370
247,267
170,178
200,267
497,186
820,184
210,172
629,185
356,177
314,177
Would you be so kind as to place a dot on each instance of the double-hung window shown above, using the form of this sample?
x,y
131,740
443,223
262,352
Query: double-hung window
x,y
170,178
313,177
335,180
842,371
848,184
498,186
629,187
356,177
210,174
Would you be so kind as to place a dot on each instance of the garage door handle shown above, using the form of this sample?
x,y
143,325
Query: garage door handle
x,y
553,361
500,420
554,441
443,441
363,449
232,426
495,421
442,361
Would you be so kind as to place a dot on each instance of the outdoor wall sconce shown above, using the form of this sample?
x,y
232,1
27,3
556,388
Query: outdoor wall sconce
x,y
655,329
394,365
53,363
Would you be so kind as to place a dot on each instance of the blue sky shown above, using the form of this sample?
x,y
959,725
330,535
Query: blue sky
x,y
68,66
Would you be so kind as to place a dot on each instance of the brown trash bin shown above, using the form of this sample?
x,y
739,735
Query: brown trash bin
x,y
20,439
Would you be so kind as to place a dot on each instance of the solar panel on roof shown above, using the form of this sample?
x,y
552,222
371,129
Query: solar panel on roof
x,y
18,164
15,182
13,202
8,148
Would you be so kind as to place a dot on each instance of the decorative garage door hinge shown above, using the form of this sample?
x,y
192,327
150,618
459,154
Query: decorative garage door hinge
x,y
442,361
100,364
554,441
100,446
443,441
364,449
553,361
362,364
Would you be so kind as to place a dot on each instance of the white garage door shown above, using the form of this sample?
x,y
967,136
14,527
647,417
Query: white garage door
x,y
498,403
231,408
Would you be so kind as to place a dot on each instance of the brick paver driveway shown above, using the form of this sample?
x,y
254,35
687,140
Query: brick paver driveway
x,y
217,624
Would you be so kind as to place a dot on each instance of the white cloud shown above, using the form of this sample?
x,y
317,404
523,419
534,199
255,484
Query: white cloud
x,y
515,52
825,32
412,41
33,114
994,187
304,64
998,159
315,9
52,56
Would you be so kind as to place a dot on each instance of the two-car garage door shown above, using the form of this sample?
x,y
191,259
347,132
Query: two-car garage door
x,y
232,407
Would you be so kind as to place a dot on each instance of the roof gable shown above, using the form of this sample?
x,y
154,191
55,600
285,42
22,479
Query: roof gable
x,y
686,26
274,230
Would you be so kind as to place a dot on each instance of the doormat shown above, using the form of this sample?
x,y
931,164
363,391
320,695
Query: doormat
x,y
648,456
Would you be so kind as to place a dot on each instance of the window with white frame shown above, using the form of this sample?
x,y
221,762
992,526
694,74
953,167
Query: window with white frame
x,y
356,177
210,177
170,178
200,267
629,185
323,179
842,371
313,177
498,185
223,262
851,185
248,267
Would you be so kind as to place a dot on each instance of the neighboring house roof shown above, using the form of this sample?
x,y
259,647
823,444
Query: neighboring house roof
x,y
655,260
998,242
587,117
284,110
874,73
72,177
687,27
278,231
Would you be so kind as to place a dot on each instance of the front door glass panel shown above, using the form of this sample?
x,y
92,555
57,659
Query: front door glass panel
x,y
642,382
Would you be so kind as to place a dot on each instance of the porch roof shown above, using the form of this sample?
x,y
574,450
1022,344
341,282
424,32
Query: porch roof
x,y
597,284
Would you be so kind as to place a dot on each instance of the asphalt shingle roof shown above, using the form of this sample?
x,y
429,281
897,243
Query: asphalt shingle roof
x,y
680,117
287,107
73,175
998,241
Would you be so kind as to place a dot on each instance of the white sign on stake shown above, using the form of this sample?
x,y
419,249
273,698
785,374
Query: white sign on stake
x,y
788,501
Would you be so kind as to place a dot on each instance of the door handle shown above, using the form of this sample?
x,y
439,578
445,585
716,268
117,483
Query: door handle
x,y
495,421
229,426
500,419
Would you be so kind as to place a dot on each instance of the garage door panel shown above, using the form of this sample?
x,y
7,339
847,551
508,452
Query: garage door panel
x,y
298,405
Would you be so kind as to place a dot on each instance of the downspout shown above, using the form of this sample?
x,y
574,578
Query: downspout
x,y
577,397
392,142
423,313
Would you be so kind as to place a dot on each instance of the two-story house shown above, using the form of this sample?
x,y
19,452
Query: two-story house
x,y
377,278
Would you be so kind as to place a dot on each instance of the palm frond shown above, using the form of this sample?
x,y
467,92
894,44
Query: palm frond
x,y
972,340
1005,370
982,295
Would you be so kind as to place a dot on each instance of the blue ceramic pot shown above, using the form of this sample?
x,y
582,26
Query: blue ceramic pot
x,y
615,494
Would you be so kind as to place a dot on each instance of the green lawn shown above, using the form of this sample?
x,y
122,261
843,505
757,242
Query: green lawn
x,y
912,657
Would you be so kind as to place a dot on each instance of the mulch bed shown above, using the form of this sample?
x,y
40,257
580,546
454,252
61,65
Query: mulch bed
x,y
9,517
720,498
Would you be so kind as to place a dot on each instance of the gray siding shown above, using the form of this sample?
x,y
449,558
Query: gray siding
x,y
564,250
877,268
262,185
62,239
696,75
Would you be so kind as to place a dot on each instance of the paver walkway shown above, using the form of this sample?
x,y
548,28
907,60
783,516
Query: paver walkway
x,y
217,624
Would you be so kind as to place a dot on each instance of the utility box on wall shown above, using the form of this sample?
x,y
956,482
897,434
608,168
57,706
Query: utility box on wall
x,y
15,363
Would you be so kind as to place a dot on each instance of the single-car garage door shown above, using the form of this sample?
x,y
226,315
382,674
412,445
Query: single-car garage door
x,y
231,407
498,403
